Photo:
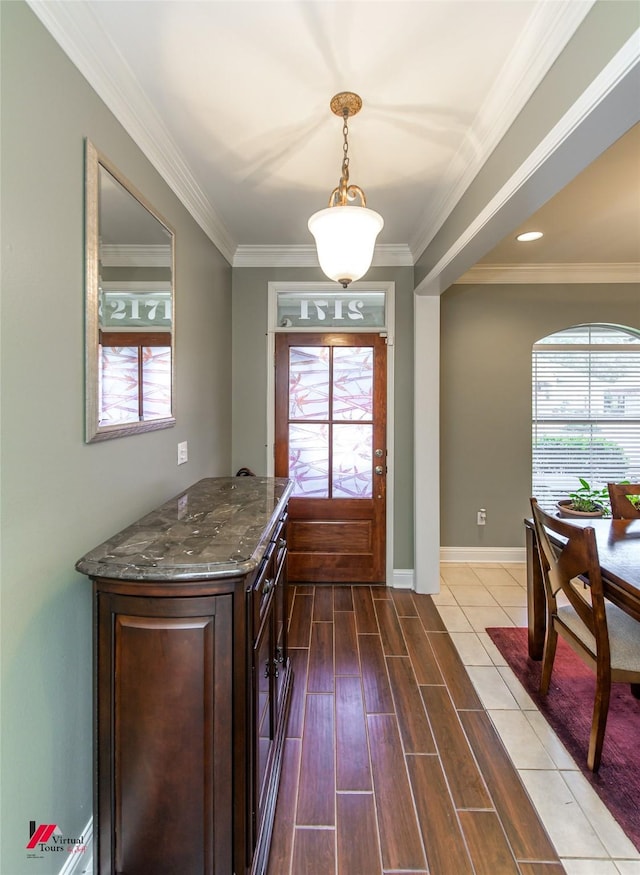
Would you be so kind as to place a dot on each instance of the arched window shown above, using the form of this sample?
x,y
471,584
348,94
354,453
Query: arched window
x,y
586,409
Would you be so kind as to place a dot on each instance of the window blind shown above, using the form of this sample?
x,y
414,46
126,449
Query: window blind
x,y
586,410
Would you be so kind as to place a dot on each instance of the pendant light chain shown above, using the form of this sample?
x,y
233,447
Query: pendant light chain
x,y
345,192
345,146
343,188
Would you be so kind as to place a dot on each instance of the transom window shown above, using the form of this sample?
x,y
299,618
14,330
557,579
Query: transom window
x,y
586,409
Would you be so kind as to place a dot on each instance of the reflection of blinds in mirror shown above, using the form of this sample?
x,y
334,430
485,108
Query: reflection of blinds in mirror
x,y
586,410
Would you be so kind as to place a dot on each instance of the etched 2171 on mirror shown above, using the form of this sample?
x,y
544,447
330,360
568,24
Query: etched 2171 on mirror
x,y
129,307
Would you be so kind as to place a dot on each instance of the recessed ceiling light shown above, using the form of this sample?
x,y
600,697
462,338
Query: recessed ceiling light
x,y
529,235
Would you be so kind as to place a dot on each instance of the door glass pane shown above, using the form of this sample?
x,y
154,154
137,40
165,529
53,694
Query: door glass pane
x,y
309,382
353,382
352,460
309,459
156,382
118,384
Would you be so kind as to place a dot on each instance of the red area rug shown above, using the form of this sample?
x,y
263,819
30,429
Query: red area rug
x,y
568,708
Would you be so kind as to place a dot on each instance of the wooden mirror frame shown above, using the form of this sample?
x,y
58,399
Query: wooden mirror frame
x,y
95,427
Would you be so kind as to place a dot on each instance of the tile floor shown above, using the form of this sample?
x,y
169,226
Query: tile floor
x,y
473,597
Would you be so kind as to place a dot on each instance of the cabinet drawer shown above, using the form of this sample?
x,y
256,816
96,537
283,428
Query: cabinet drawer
x,y
270,571
262,587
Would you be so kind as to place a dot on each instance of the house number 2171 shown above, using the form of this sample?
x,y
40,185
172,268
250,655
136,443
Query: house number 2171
x,y
322,308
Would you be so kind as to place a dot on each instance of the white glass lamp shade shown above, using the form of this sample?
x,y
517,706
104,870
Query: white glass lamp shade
x,y
345,238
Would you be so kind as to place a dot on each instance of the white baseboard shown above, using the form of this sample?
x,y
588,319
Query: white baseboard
x,y
482,554
403,578
81,864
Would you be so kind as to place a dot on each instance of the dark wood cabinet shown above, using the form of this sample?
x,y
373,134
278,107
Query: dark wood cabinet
x,y
271,681
165,733
192,688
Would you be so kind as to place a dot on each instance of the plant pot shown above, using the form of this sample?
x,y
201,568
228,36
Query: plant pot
x,y
565,510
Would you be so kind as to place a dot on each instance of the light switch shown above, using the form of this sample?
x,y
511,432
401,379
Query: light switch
x,y
183,452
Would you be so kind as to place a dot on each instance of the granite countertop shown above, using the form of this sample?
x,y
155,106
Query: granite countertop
x,y
216,528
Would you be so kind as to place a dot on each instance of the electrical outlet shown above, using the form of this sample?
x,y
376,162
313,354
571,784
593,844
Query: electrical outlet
x,y
183,452
482,517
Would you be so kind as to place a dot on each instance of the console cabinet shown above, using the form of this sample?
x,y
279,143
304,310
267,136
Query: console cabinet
x,y
271,681
192,682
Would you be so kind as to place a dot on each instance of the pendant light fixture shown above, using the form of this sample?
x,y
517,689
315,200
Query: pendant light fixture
x,y
345,235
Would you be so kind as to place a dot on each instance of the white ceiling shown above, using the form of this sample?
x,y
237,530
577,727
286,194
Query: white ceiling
x,y
230,100
594,219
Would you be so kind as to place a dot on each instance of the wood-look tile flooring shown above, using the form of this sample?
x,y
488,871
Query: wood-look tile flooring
x,y
391,763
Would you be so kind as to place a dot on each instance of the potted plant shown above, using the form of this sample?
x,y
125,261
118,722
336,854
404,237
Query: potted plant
x,y
585,502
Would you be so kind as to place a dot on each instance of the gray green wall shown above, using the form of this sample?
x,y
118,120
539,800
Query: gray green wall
x,y
249,327
487,334
59,496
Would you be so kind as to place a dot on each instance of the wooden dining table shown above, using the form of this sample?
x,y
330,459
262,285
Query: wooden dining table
x,y
618,543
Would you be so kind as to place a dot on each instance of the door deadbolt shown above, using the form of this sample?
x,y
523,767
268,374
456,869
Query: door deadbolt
x,y
379,453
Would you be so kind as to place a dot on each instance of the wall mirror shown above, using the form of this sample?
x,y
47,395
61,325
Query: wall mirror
x,y
129,307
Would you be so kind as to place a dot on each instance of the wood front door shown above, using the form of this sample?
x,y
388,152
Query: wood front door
x,y
330,439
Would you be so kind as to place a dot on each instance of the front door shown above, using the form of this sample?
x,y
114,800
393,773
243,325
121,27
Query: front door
x,y
330,439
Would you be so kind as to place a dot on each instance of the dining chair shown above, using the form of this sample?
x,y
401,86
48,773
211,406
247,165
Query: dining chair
x,y
604,636
621,507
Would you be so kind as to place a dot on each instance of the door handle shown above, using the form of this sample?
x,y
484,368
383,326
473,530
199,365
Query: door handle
x,y
379,469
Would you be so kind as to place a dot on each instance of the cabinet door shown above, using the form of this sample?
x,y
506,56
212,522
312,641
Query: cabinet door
x,y
263,712
164,735
272,678
280,622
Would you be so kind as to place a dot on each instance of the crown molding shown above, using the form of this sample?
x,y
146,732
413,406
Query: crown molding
x,y
540,274
126,255
78,33
549,29
385,255
275,256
